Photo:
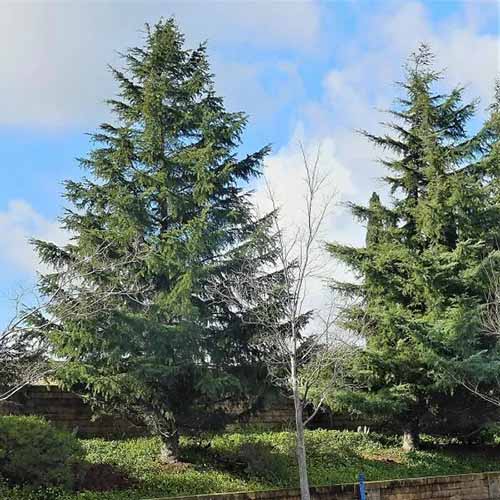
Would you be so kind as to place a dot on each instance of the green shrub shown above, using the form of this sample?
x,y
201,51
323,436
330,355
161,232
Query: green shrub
x,y
490,434
33,452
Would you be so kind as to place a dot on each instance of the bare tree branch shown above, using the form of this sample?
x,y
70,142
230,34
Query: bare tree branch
x,y
490,324
76,291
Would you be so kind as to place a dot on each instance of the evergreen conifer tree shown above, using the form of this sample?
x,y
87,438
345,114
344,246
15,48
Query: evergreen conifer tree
x,y
420,272
163,193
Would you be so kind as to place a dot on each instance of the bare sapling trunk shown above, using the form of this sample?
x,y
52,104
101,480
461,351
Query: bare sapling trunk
x,y
300,445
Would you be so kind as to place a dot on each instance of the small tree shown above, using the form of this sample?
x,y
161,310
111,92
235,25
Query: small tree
x,y
303,352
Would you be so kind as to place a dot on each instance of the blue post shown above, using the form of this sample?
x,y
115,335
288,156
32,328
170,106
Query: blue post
x,y
362,488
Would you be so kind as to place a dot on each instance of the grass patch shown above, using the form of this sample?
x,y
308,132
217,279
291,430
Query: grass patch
x,y
263,460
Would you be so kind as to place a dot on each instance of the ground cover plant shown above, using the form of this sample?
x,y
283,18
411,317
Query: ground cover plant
x,y
260,460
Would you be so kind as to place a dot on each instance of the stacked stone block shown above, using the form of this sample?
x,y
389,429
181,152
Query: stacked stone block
x,y
484,486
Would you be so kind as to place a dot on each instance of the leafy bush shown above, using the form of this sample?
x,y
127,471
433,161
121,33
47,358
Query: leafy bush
x,y
490,434
33,452
57,493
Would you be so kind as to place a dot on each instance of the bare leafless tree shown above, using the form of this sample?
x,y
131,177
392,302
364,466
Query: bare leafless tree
x,y
73,292
22,354
301,343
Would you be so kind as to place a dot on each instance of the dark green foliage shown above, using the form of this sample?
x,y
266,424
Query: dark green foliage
x,y
33,452
422,274
160,221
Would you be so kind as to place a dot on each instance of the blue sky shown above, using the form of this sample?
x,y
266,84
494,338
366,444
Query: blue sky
x,y
303,71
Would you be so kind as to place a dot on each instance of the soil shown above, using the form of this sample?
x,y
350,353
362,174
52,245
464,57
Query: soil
x,y
103,477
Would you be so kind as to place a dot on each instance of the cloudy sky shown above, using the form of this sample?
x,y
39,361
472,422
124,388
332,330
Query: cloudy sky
x,y
304,71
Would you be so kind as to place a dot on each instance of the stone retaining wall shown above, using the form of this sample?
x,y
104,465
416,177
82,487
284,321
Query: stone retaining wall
x,y
68,410
463,487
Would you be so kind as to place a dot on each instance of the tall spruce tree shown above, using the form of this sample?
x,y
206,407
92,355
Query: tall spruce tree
x,y
420,271
163,193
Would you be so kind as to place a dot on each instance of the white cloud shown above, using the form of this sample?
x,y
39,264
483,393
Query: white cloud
x,y
260,23
357,89
284,171
285,176
469,56
55,54
247,87
19,223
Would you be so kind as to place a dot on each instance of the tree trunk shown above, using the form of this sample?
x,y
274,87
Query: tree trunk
x,y
169,452
301,448
411,436
163,424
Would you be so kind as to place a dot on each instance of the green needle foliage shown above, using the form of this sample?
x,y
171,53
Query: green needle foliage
x,y
422,282
160,221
